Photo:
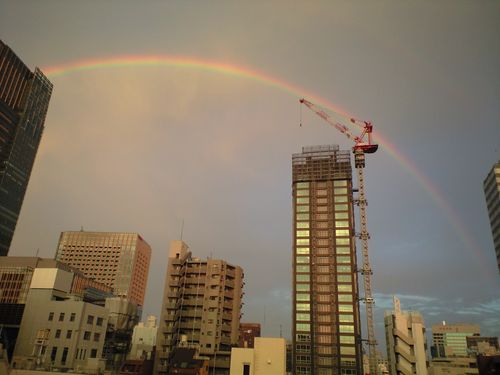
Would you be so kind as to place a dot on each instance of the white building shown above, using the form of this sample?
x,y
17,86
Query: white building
x,y
406,345
144,339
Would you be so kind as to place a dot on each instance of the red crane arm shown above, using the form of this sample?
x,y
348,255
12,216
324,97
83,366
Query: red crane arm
x,y
367,147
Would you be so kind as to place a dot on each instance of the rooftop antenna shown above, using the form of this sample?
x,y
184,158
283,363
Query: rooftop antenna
x,y
182,229
281,331
37,251
81,228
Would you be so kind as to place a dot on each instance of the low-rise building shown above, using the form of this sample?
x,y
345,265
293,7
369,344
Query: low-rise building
x,y
58,329
268,356
143,339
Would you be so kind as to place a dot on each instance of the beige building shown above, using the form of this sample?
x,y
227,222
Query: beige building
x,y
120,260
267,357
406,344
59,330
455,366
201,306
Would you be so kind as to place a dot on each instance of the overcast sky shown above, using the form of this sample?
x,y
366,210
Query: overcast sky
x,y
143,148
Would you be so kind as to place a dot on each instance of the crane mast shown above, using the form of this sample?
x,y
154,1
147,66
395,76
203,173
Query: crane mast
x,y
360,149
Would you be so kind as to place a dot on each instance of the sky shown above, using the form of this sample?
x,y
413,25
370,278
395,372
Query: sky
x,y
143,148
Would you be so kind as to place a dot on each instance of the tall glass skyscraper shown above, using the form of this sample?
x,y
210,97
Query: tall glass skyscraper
x,y
492,194
326,325
24,100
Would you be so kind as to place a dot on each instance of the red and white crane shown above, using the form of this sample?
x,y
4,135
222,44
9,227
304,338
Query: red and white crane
x,y
360,148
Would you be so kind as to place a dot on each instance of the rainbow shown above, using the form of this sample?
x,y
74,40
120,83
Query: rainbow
x,y
261,77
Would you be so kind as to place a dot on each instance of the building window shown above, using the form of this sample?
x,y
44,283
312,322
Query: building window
x,y
64,356
58,334
303,327
303,307
86,335
301,268
53,354
344,278
302,278
303,200
339,183
341,207
303,225
51,316
341,224
340,191
302,193
97,337
302,233
346,328
344,288
303,297
340,198
93,353
343,268
302,241
99,322
345,308
302,259
302,185
345,298
346,318
343,250
303,287
346,339
61,317
69,332
341,215
347,350
303,316
90,319
302,250
342,232
72,317
302,216
304,208
246,369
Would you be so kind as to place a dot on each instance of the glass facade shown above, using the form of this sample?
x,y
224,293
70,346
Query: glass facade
x,y
325,309
24,100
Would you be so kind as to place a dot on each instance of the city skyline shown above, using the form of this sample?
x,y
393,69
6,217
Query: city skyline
x,y
156,145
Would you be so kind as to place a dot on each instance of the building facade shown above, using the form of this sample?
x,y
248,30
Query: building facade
x,y
201,308
405,339
248,333
16,274
267,357
120,260
450,340
492,194
144,339
59,330
24,101
326,324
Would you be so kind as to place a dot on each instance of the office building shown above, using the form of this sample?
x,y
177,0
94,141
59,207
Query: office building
x,y
24,101
59,329
16,274
248,333
201,308
326,325
492,194
482,345
120,260
450,340
405,339
267,357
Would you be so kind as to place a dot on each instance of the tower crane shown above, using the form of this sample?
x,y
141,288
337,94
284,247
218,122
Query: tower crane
x,y
360,148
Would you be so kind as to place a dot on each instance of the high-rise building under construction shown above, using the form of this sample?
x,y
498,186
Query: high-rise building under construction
x,y
326,324
24,100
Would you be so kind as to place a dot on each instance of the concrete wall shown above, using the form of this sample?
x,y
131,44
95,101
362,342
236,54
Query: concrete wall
x,y
268,357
